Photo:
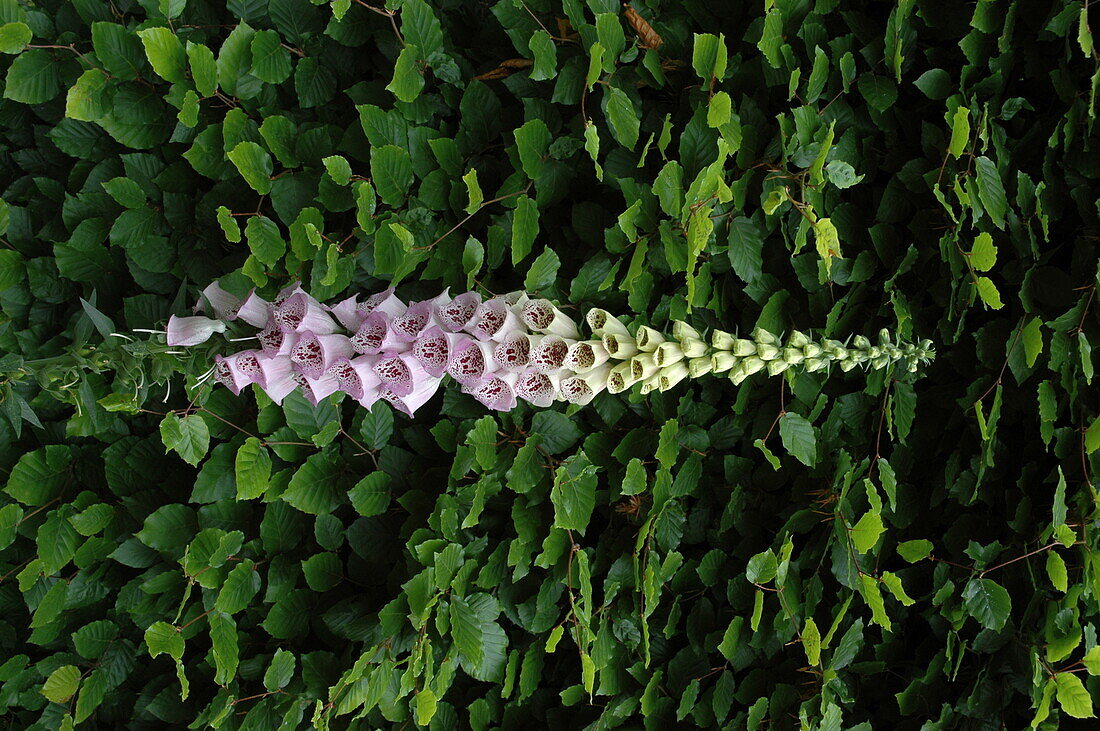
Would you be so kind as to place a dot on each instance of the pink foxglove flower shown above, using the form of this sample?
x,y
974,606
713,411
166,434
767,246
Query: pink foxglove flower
x,y
222,303
471,362
537,388
408,404
513,351
227,373
356,377
188,331
376,335
408,325
494,317
274,341
496,392
301,313
401,373
548,356
317,389
457,313
314,354
435,349
542,317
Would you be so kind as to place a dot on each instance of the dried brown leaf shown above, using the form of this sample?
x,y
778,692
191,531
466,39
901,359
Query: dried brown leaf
x,y
650,38
505,69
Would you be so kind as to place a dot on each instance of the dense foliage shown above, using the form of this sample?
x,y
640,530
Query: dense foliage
x,y
815,550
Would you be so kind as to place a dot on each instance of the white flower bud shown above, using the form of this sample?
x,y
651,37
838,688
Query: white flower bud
x,y
792,355
648,339
766,352
682,330
643,366
585,355
722,340
815,364
743,348
753,365
738,374
700,366
775,367
760,335
668,353
619,346
601,321
650,384
693,348
797,339
672,375
812,350
620,378
723,361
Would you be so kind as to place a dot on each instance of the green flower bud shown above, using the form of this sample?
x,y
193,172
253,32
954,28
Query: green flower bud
x,y
722,340
723,361
812,350
766,352
815,364
860,343
682,330
884,337
775,367
700,366
738,374
753,365
761,335
648,339
793,355
693,348
880,361
668,353
743,348
619,346
848,364
798,339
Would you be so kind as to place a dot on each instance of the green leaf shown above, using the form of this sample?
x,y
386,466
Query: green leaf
x,y
14,37
1056,571
1091,661
315,84
798,438
592,147
163,638
915,550
371,495
879,91
893,582
1092,436
62,684
708,55
543,271
204,70
254,164
89,98
189,112
224,646
991,191
546,56
525,228
189,437
1084,39
934,84
960,132
988,602
762,567
532,141
391,172
118,49
987,290
811,641
126,192
1072,696
771,39
281,670
473,190
165,53
407,82
264,240
1032,336
33,77
624,120
241,584
467,631
574,493
252,469
865,533
270,59
426,704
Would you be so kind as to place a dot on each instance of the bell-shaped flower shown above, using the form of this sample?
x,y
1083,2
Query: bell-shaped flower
x,y
548,355
222,303
408,325
254,310
583,387
722,361
471,362
400,372
497,392
743,347
347,313
229,374
620,347
643,366
356,376
620,378
276,376
672,375
375,336
187,331
722,340
693,347
457,313
648,339
435,348
317,389
314,354
541,316
513,352
601,322
301,313
699,367
536,388
668,353
412,401
681,331
493,319
274,341
585,355
385,303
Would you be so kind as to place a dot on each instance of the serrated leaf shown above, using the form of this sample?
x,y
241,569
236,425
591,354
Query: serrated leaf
x,y
1072,696
62,684
391,172
798,438
988,602
407,82
532,142
983,255
33,77
254,164
189,437
574,493
473,191
624,120
915,550
543,271
165,53
1056,571
988,292
271,61
865,533
14,37
811,641
252,469
991,191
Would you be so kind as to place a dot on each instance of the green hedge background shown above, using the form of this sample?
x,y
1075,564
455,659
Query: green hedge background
x,y
854,551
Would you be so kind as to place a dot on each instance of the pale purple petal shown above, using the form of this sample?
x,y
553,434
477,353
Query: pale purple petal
x,y
274,341
496,392
493,318
301,313
286,292
317,389
513,352
355,376
471,361
229,375
585,355
541,316
419,396
548,356
254,310
537,388
582,388
435,349
277,378
385,303
313,354
408,325
223,303
375,336
400,372
187,331
457,313
347,313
